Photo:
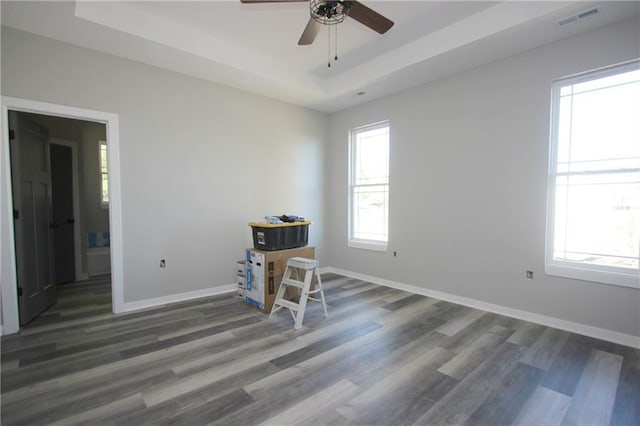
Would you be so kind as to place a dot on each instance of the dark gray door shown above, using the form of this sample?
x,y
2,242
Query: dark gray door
x,y
63,218
31,184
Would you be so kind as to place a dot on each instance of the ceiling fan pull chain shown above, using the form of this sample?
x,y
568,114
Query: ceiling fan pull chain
x,y
329,48
336,37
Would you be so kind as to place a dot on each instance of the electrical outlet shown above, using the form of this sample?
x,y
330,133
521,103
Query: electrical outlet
x,y
163,263
529,275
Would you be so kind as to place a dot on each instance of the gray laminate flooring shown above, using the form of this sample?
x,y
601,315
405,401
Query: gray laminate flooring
x,y
382,357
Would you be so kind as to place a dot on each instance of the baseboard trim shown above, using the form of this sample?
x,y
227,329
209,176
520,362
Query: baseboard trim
x,y
586,330
325,270
180,297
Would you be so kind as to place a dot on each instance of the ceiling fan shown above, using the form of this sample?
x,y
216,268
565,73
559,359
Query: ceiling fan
x,y
330,12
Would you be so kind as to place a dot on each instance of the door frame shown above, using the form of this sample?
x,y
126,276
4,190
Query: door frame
x,y
8,280
77,225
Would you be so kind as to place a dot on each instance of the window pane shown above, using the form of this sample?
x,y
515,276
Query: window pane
x,y
372,157
104,173
598,219
370,210
598,127
605,124
105,188
104,167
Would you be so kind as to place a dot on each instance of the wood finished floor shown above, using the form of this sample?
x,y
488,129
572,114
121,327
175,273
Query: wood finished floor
x,y
382,357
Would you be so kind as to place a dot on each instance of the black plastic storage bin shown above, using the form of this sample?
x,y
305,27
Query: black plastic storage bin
x,y
280,236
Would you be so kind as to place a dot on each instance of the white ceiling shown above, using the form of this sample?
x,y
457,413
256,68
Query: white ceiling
x,y
254,46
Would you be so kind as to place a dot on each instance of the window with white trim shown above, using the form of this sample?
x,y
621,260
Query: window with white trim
x,y
593,217
104,174
369,187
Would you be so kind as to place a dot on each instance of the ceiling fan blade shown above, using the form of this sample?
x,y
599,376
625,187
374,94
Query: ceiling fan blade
x,y
310,32
271,1
369,17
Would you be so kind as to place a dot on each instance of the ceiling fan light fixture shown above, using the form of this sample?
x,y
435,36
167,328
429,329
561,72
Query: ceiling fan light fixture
x,y
332,12
329,12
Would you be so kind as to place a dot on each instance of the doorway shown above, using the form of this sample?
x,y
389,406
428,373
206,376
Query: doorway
x,y
9,274
62,219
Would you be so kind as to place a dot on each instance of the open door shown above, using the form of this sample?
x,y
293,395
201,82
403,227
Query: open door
x,y
33,224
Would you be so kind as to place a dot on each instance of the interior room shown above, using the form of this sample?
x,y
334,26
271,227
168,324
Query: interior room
x,y
422,143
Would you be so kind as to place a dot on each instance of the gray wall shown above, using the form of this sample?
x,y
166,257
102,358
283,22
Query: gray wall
x,y
468,185
198,160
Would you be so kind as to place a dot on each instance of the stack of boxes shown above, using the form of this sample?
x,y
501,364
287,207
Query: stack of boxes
x,y
260,274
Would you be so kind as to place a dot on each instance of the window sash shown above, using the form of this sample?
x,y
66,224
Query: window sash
x,y
363,232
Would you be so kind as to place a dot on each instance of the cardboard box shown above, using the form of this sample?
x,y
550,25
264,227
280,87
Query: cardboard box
x,y
264,274
241,267
242,281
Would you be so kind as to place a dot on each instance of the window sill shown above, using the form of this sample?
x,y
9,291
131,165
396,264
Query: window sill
x,y
367,245
622,279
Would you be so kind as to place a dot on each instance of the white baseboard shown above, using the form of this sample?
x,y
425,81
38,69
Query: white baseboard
x,y
574,327
325,270
180,297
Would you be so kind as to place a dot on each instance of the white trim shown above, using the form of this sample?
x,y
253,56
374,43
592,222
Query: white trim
x,y
601,72
8,288
574,327
180,297
77,216
367,245
1,330
10,319
351,241
566,270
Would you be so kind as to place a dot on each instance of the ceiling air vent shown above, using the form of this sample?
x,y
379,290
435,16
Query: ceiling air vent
x,y
581,15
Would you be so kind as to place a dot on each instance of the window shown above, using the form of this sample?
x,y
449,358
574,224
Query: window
x,y
593,218
369,187
104,174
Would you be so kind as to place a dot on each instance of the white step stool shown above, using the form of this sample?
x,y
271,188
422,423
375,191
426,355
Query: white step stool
x,y
297,309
